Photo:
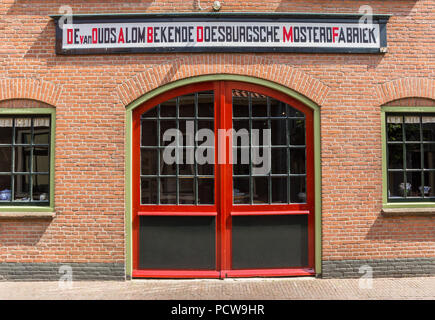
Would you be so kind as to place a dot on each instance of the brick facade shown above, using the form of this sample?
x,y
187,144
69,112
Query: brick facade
x,y
90,94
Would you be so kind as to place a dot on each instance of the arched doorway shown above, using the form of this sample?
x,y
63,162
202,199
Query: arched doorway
x,y
233,207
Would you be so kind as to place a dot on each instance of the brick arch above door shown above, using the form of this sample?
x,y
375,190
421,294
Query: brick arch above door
x,y
243,65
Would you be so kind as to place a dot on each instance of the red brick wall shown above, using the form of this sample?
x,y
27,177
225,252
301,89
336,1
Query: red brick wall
x,y
90,94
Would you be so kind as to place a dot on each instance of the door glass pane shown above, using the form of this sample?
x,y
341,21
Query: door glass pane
x,y
187,106
205,191
260,190
280,160
297,131
240,103
279,132
168,109
187,190
149,161
149,191
241,191
297,160
259,105
149,133
168,190
298,189
206,104
279,190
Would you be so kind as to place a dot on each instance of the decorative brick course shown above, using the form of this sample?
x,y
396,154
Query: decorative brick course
x,y
406,267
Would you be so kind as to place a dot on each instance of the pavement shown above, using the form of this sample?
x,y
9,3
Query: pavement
x,y
304,288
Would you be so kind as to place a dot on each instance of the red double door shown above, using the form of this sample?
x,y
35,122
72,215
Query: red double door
x,y
212,202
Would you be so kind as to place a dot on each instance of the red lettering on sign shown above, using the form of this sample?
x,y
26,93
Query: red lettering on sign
x,y
94,35
121,36
334,33
150,34
288,35
81,39
69,36
200,34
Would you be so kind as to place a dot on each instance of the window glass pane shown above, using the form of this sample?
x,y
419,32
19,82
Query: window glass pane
x,y
148,191
187,105
240,103
41,161
148,161
277,108
5,159
413,156
187,190
22,187
168,109
429,156
279,132
412,128
297,131
396,185
298,190
428,124
279,160
414,179
23,130
395,156
41,130
279,190
168,190
297,160
241,191
261,190
394,131
259,105
41,187
206,104
429,184
5,188
205,191
22,159
6,130
149,133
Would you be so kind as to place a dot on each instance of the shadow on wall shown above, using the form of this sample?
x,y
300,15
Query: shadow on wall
x,y
406,229
15,233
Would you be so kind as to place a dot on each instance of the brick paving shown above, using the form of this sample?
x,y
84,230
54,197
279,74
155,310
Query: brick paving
x,y
255,288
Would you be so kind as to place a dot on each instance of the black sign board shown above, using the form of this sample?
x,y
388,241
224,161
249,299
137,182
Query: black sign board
x,y
220,32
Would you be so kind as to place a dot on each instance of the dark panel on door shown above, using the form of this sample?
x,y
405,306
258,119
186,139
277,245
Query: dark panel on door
x,y
177,243
269,241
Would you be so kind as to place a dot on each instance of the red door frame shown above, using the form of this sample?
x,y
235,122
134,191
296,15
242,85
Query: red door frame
x,y
223,209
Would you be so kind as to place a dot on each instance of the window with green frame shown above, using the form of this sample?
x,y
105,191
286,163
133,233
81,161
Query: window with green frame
x,y
25,160
410,139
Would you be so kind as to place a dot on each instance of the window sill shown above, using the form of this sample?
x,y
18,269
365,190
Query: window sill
x,y
393,212
27,215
